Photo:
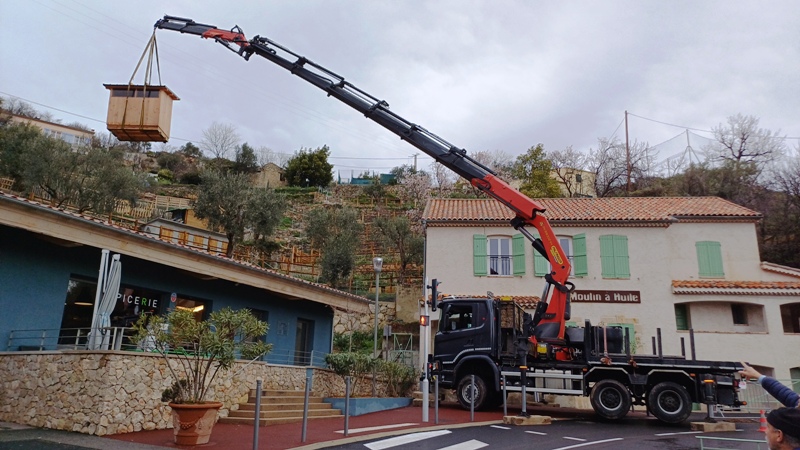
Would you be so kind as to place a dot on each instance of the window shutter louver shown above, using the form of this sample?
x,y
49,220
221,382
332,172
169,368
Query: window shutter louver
x,y
479,255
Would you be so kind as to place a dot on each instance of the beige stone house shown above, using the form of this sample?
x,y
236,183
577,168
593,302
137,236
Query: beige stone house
x,y
71,135
271,176
647,264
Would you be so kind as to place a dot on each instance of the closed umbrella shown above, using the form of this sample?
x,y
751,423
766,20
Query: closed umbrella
x,y
100,336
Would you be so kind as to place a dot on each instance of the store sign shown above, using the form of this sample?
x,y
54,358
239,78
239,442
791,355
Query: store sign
x,y
137,300
606,297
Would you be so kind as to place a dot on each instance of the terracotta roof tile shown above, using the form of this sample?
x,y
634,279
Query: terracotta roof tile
x,y
525,301
724,287
649,209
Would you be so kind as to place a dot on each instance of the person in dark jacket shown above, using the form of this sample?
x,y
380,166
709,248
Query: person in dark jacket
x,y
783,429
782,393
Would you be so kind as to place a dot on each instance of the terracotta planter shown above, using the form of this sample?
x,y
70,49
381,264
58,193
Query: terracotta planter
x,y
193,422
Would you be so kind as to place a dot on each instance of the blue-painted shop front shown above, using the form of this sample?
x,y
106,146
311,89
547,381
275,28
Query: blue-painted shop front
x,y
49,285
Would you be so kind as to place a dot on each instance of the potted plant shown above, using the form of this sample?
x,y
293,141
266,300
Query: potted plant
x,y
195,353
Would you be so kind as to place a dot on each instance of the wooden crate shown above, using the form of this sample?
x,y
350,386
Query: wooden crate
x,y
511,315
139,113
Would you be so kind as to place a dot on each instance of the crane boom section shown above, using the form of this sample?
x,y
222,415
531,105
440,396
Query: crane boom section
x,y
527,211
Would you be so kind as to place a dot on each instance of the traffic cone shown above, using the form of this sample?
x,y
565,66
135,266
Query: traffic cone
x,y
763,422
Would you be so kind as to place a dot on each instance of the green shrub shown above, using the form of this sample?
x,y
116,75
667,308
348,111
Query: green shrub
x,y
399,378
353,365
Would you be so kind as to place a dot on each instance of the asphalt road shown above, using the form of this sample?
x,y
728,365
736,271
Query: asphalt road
x,y
633,434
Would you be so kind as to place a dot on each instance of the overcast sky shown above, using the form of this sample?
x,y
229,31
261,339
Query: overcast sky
x,y
483,75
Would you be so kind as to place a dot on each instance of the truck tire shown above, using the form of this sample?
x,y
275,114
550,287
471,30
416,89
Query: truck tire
x,y
464,394
669,402
610,399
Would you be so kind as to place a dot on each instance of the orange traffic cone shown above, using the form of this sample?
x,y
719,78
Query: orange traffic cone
x,y
763,422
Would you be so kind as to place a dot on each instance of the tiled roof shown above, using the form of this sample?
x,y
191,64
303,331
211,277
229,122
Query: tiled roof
x,y
777,268
646,209
735,287
102,223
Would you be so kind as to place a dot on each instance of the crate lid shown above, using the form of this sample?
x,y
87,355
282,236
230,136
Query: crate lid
x,y
136,87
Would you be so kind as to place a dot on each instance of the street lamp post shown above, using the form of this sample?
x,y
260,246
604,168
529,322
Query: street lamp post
x,y
377,264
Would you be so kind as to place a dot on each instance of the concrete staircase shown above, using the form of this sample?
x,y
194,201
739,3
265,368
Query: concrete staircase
x,y
280,407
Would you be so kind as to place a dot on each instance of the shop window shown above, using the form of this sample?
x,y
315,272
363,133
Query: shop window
x,y
790,316
200,308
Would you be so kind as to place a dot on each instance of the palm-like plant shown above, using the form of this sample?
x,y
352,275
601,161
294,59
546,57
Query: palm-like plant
x,y
196,352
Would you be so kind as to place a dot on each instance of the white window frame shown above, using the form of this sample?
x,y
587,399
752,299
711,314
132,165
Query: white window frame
x,y
501,259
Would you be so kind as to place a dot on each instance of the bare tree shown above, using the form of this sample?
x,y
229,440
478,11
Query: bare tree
x,y
497,160
609,164
267,155
742,141
567,165
219,140
442,177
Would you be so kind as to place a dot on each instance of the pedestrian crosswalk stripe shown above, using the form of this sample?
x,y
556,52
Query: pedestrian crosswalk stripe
x,y
502,428
405,439
537,432
468,445
381,427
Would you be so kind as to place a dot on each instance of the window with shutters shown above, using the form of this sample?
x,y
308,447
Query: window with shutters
x,y
498,255
574,249
709,259
614,261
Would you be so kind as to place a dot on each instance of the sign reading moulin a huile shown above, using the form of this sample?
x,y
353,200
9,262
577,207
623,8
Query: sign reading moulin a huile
x,y
606,297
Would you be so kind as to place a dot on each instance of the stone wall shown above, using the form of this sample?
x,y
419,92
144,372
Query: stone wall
x,y
344,321
108,392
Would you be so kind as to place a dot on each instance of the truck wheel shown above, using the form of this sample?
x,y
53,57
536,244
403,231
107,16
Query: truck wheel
x,y
669,402
610,399
464,392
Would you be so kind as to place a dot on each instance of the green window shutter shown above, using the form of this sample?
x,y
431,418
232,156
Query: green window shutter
x,y
479,262
518,252
579,255
621,259
709,259
540,264
681,317
607,257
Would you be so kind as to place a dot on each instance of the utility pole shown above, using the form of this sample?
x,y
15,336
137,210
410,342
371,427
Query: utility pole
x,y
627,155
415,161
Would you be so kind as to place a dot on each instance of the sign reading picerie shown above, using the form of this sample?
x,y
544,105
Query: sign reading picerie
x,y
606,297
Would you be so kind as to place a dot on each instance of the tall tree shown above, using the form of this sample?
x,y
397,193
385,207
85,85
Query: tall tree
x,y
742,141
310,168
245,161
219,140
398,234
16,140
609,165
335,231
229,203
532,169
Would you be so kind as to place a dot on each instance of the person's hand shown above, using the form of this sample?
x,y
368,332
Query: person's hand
x,y
749,372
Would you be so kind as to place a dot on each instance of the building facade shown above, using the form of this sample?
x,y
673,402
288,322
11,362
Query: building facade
x,y
652,265
49,265
76,137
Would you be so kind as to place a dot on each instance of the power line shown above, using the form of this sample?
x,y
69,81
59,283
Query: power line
x,y
700,129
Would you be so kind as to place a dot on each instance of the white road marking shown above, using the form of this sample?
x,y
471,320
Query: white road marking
x,y
574,439
537,432
468,445
405,439
679,432
502,428
588,443
382,427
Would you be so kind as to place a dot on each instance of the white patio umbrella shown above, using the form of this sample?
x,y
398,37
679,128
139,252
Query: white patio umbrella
x,y
100,335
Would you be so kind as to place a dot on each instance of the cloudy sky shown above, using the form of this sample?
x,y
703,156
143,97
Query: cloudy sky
x,y
484,75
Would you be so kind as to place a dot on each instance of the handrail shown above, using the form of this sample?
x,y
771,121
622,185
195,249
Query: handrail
x,y
758,442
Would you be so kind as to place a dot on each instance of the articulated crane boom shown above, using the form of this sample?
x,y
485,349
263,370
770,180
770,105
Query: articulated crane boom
x,y
551,313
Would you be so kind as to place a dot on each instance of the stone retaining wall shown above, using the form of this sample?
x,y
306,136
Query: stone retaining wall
x,y
107,392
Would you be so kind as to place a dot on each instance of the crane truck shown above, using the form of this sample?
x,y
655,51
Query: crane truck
x,y
494,342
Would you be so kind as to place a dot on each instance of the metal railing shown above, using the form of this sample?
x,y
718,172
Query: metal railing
x,y
757,446
121,338
296,358
116,338
757,400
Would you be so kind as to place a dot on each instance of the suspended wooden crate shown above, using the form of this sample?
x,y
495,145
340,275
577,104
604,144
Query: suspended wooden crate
x,y
140,113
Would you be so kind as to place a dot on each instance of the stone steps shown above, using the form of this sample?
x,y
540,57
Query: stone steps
x,y
280,407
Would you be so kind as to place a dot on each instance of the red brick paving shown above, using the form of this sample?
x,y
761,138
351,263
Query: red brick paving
x,y
286,436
